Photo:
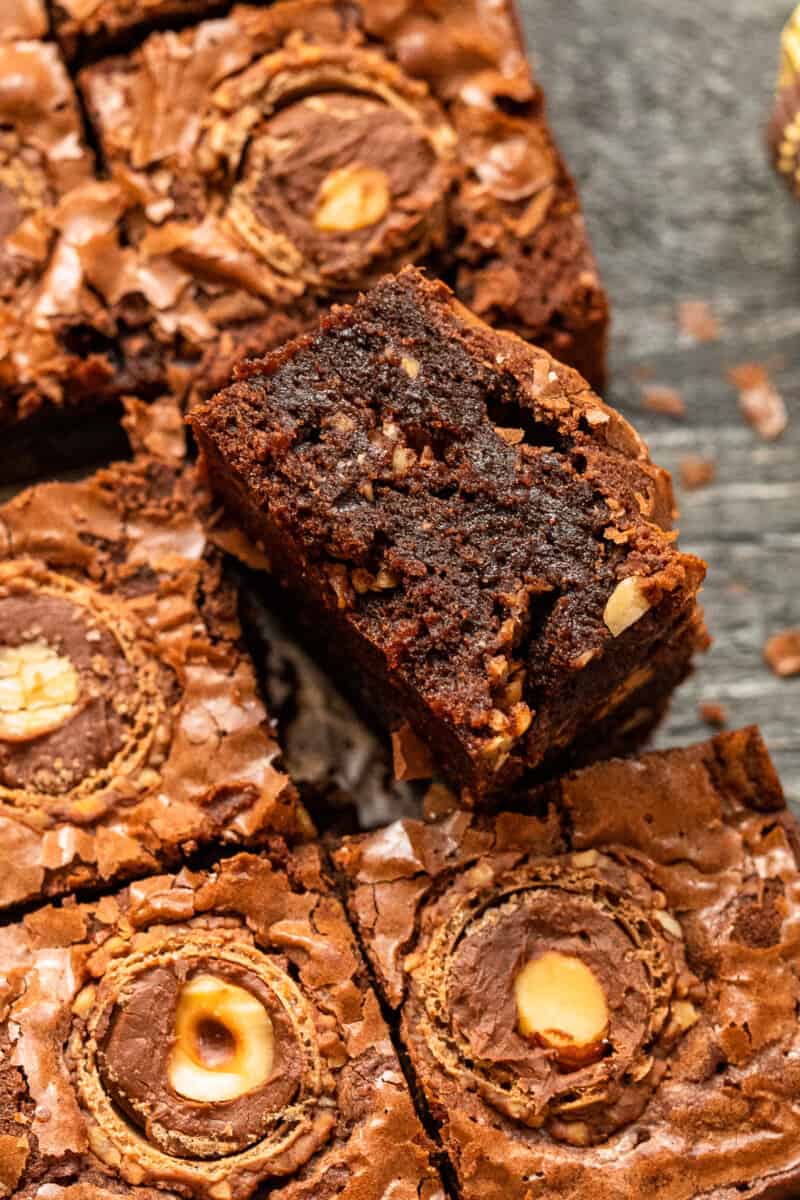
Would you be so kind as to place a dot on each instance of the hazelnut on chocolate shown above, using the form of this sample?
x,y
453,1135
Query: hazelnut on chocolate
x,y
223,1041
599,995
210,1035
561,1003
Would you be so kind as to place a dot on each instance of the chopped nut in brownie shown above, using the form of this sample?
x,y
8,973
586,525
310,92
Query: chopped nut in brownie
x,y
477,542
202,1035
131,730
603,998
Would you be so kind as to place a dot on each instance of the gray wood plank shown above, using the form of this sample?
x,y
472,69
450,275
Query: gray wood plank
x,y
660,109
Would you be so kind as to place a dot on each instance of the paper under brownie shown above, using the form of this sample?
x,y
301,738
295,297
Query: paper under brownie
x,y
603,1001
291,153
476,542
130,726
199,1035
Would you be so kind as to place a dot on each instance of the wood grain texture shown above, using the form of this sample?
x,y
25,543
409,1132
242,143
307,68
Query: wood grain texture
x,y
660,109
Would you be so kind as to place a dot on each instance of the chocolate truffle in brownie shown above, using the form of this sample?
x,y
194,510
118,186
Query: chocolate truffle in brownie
x,y
784,126
199,1035
602,1001
22,19
478,542
287,154
130,726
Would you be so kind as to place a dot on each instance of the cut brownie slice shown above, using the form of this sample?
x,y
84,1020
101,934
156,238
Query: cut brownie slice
x,y
130,726
286,154
99,26
476,540
22,19
200,1035
602,1001
64,356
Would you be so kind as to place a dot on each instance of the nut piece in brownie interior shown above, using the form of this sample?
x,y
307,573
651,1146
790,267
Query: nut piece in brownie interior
x,y
200,1035
477,542
602,998
292,153
131,729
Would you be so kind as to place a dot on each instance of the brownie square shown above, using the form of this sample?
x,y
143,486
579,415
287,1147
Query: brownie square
x,y
288,155
22,19
65,356
131,730
92,29
475,541
602,1000
200,1035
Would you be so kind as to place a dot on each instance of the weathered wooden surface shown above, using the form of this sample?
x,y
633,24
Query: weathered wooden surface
x,y
660,110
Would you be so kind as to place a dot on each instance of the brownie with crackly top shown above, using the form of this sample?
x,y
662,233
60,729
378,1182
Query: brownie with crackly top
x,y
475,541
210,1036
66,356
21,20
131,729
285,156
602,1000
90,30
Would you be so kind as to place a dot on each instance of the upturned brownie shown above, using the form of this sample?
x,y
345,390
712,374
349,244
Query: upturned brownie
x,y
288,154
131,730
199,1035
476,542
602,1000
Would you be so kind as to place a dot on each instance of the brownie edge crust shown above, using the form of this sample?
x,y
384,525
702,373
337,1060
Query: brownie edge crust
x,y
131,730
202,1035
653,908
472,536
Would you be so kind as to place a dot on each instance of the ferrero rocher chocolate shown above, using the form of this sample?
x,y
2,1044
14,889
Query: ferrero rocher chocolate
x,y
131,730
204,1035
784,126
601,1000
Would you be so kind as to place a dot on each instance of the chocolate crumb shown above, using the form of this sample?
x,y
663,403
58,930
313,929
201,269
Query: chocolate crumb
x,y
782,653
666,400
697,472
697,321
760,402
713,713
